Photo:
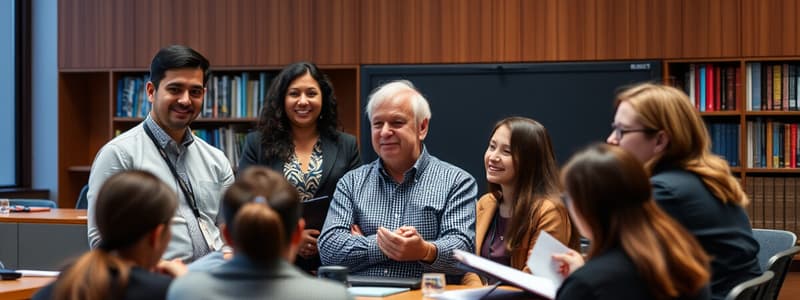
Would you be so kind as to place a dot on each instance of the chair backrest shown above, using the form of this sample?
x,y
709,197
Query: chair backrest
x,y
778,264
770,242
33,202
83,201
749,289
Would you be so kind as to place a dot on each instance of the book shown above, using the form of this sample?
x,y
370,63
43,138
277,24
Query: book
x,y
315,210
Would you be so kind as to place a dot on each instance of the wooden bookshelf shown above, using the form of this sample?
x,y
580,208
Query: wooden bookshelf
x,y
773,190
88,115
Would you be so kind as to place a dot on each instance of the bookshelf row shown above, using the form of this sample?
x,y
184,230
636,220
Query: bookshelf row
x,y
228,95
773,202
772,144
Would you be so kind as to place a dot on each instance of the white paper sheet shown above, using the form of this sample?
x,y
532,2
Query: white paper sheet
x,y
535,284
541,260
374,291
38,273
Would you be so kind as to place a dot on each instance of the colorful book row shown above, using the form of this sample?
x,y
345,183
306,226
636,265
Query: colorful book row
x,y
132,97
772,144
772,86
227,139
711,87
236,96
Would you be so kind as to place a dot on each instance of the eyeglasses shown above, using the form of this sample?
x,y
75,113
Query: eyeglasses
x,y
619,132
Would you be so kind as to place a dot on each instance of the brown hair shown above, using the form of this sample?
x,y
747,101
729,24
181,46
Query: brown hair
x,y
261,210
610,191
129,205
669,109
536,176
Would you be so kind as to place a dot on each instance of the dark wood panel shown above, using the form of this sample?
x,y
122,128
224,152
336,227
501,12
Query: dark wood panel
x,y
770,28
576,37
539,30
711,29
335,32
84,34
613,28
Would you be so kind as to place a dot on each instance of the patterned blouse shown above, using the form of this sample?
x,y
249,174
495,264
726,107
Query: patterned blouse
x,y
306,183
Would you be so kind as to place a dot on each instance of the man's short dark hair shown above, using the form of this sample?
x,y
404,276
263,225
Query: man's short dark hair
x,y
177,57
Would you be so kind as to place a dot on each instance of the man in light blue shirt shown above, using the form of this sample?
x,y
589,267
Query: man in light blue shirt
x,y
404,213
164,145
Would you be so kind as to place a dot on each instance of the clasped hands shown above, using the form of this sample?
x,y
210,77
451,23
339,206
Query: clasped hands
x,y
403,244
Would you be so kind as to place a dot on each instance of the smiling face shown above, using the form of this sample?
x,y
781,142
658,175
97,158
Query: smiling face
x,y
396,134
303,102
498,160
178,100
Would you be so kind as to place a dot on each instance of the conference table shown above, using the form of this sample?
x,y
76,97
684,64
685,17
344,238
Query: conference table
x,y
25,287
42,240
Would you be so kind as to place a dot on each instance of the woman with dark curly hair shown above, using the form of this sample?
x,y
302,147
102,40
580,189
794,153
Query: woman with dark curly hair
x,y
298,136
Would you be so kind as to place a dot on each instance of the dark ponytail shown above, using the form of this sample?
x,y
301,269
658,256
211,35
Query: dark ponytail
x,y
129,205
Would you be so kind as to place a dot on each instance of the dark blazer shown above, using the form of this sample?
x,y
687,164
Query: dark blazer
x,y
338,158
610,275
722,229
141,285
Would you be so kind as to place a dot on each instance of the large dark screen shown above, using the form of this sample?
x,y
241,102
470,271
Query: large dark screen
x,y
574,101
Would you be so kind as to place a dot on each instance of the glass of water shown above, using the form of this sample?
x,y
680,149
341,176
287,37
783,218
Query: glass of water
x,y
433,283
5,206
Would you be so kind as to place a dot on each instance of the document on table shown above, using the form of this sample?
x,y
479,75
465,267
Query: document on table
x,y
375,291
38,273
541,260
535,284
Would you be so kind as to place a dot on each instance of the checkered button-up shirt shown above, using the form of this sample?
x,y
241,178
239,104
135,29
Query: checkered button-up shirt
x,y
435,197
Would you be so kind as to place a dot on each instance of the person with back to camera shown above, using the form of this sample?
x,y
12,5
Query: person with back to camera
x,y
297,136
404,213
133,212
263,223
659,125
637,251
523,198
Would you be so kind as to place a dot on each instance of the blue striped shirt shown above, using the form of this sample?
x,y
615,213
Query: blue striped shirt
x,y
435,197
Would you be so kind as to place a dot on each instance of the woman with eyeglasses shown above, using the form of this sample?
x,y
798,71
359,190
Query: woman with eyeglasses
x,y
661,128
637,251
523,198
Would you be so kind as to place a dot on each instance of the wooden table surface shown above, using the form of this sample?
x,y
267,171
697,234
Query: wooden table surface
x,y
54,216
22,288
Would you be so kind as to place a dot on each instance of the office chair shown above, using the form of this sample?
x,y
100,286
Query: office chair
x,y
771,242
750,289
83,201
32,202
779,264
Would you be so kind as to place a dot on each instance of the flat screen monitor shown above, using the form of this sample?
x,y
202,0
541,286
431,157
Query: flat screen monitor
x,y
574,101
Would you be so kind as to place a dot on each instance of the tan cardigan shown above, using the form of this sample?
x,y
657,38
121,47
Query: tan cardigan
x,y
552,218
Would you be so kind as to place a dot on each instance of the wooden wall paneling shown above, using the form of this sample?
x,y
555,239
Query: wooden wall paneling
x,y
267,41
294,31
539,30
467,31
190,23
508,28
770,28
146,33
122,43
390,31
84,34
241,32
613,29
576,37
655,28
334,32
711,29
